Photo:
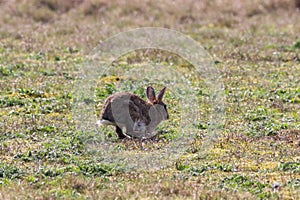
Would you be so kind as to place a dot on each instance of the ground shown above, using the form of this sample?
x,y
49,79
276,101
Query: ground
x,y
255,46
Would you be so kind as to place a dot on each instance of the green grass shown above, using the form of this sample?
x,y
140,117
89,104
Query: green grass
x,y
255,46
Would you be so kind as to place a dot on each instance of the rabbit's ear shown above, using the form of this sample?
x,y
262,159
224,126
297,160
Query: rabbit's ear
x,y
151,94
161,94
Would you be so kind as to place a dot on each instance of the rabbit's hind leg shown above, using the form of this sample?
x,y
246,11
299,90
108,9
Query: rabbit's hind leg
x,y
120,133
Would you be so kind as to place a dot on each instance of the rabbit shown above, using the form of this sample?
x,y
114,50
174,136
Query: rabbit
x,y
137,116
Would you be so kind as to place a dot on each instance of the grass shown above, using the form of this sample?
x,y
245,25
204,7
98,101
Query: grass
x,y
255,46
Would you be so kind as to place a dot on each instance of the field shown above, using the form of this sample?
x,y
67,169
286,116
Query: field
x,y
255,45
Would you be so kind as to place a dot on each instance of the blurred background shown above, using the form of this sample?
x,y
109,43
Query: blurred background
x,y
44,24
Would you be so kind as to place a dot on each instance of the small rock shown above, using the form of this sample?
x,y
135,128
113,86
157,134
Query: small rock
x,y
276,185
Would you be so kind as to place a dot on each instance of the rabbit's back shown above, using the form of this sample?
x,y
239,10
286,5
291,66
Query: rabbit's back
x,y
124,109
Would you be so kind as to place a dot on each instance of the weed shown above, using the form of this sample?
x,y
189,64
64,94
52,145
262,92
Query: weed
x,y
290,166
243,182
8,171
294,183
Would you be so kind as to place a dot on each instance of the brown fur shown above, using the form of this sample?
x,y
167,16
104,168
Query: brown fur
x,y
125,109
